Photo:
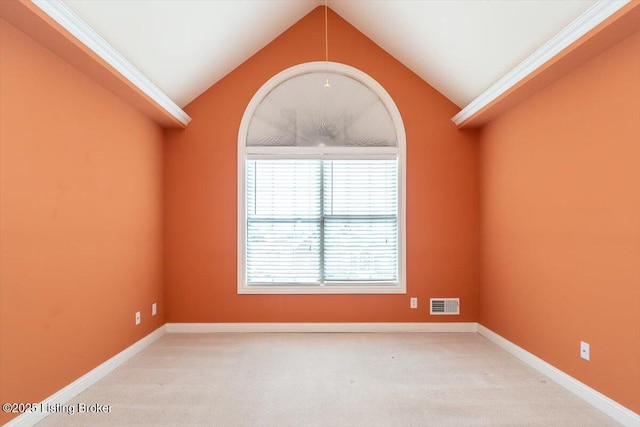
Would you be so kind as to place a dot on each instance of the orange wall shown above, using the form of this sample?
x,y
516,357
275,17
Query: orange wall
x,y
81,213
200,193
80,222
560,223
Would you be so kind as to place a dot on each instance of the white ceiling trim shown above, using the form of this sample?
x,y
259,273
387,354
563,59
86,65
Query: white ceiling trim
x,y
71,22
592,17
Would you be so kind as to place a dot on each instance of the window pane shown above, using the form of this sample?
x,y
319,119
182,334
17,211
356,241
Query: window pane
x,y
283,221
361,225
360,187
283,189
361,250
302,112
283,252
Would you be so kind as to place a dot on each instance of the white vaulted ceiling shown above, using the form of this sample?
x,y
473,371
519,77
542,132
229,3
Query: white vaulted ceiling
x,y
460,47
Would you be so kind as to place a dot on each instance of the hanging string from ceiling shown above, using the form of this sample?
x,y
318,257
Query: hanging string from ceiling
x,y
327,85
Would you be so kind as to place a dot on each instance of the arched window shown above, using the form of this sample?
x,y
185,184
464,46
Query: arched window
x,y
321,183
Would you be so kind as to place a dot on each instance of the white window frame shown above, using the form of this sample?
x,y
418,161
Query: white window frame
x,y
322,153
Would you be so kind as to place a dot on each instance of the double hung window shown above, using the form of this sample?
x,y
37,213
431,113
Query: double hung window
x,y
321,206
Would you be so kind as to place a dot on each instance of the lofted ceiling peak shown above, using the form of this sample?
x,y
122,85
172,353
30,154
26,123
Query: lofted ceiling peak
x,y
458,47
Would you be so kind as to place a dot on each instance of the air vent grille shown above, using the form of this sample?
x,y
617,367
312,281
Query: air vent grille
x,y
445,305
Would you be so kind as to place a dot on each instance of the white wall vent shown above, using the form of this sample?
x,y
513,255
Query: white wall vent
x,y
445,305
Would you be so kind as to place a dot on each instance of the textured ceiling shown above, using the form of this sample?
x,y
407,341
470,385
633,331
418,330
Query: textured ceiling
x,y
460,47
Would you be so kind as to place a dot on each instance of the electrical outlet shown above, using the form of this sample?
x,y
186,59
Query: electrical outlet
x,y
585,351
413,302
154,309
137,317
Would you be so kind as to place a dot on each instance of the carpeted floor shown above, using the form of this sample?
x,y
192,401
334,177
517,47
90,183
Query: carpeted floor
x,y
363,380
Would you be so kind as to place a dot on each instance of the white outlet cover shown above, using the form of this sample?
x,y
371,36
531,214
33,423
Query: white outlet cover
x,y
154,309
585,350
137,317
413,302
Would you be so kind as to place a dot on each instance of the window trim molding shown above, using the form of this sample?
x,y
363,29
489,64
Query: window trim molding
x,y
349,71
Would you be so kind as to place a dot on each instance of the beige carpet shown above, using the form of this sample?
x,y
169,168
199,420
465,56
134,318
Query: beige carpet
x,y
280,380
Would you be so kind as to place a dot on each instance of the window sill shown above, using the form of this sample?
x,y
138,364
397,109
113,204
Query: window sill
x,y
327,289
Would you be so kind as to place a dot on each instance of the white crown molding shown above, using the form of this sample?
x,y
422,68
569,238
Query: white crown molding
x,y
71,22
322,327
592,17
67,393
595,398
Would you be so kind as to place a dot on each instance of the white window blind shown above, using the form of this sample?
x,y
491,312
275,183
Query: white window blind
x,y
283,221
321,221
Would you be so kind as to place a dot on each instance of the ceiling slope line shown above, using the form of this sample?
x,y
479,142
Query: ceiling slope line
x,y
60,12
591,18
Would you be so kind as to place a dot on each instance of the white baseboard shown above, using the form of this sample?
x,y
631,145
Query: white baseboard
x,y
595,398
323,327
78,386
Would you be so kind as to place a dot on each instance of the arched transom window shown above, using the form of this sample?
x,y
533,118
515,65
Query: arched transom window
x,y
321,185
